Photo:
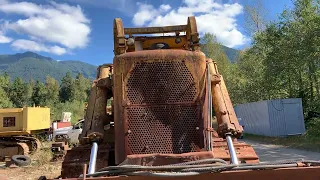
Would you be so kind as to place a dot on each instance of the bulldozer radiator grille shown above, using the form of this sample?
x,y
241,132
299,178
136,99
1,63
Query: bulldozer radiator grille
x,y
163,129
162,115
160,82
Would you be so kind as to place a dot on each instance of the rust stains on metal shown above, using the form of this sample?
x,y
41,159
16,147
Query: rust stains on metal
x,y
152,30
165,159
222,104
245,152
96,113
296,173
75,158
84,171
160,100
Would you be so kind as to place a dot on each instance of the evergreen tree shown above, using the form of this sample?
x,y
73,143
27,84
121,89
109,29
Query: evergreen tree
x,y
4,99
52,87
29,92
5,82
39,95
66,87
17,93
80,88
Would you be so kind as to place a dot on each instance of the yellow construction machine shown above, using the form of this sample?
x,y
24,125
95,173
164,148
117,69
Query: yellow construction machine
x,y
19,128
164,92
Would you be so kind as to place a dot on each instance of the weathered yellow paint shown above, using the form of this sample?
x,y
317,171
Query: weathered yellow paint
x,y
14,133
38,118
26,120
170,40
13,112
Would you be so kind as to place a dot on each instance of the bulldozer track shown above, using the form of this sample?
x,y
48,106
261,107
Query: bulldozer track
x,y
23,147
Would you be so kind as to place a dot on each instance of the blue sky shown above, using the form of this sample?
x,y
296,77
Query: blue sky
x,y
82,29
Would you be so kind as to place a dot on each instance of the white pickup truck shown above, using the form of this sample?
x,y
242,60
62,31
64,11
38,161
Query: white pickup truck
x,y
71,132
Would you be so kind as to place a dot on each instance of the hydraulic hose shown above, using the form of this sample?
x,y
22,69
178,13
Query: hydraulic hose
x,y
192,168
212,160
264,167
165,174
210,169
200,162
160,168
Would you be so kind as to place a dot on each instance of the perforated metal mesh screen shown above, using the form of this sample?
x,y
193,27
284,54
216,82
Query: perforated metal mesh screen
x,y
163,129
160,82
155,127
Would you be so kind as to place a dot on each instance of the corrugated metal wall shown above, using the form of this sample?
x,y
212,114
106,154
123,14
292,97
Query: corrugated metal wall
x,y
280,117
277,117
255,117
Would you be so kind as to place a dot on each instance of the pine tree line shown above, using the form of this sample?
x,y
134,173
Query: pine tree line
x,y
69,96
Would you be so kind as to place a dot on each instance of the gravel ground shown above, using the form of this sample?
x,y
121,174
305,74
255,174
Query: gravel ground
x,y
270,152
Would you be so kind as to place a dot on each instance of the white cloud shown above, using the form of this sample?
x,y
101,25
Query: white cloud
x,y
211,16
165,7
60,24
4,39
145,13
22,44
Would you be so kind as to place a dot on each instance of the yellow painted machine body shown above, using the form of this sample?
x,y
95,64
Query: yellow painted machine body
x,y
19,121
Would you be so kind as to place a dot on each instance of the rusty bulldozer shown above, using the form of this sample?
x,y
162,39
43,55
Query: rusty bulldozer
x,y
164,92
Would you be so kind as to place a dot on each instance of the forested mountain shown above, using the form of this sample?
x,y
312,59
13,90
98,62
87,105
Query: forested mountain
x,y
231,53
30,65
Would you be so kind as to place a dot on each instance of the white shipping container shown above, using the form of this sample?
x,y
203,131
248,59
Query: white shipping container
x,y
280,117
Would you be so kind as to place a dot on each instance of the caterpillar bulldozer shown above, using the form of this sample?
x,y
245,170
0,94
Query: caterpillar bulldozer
x,y
164,93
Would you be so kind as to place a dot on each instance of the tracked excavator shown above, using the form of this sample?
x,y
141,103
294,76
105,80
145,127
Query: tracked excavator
x,y
20,130
164,93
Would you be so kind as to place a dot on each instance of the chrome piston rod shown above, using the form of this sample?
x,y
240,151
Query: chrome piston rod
x,y
209,134
93,158
232,151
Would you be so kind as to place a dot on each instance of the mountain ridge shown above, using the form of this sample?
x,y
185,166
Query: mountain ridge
x,y
30,65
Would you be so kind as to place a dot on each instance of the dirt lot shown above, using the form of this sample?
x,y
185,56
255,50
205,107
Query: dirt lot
x,y
51,170
41,165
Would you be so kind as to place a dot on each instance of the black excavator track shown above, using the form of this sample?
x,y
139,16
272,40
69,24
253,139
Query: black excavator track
x,y
26,145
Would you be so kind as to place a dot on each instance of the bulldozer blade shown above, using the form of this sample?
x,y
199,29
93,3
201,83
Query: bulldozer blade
x,y
77,157
296,173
